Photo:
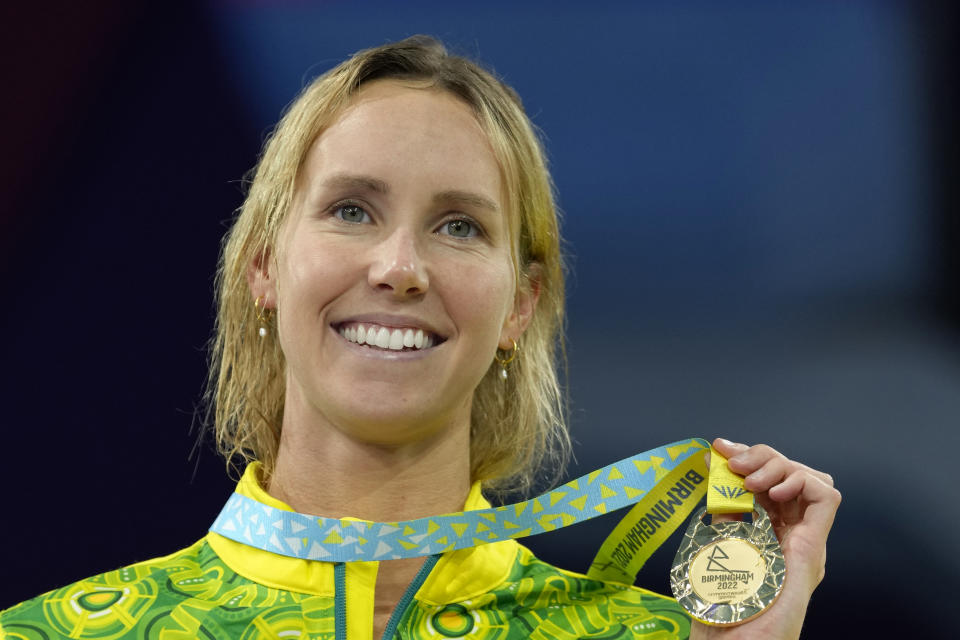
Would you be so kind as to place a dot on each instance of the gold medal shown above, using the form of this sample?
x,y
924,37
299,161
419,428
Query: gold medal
x,y
726,573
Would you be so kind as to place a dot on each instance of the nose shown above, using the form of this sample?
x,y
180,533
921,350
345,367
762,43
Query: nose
x,y
397,266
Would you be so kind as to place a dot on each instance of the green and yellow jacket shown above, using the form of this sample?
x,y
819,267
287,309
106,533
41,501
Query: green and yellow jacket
x,y
224,590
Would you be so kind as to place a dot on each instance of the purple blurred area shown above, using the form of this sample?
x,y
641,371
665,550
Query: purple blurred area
x,y
760,204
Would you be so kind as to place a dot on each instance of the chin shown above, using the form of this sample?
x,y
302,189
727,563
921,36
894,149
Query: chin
x,y
398,429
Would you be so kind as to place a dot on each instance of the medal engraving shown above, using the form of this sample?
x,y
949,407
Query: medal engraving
x,y
728,572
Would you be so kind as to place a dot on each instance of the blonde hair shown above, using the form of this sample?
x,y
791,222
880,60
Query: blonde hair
x,y
518,426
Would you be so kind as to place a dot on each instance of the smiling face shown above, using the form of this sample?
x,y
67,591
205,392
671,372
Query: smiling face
x,y
393,279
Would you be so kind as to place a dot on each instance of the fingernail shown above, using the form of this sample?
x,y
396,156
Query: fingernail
x,y
725,442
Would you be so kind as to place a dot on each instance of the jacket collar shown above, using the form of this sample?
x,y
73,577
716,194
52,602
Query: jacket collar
x,y
459,575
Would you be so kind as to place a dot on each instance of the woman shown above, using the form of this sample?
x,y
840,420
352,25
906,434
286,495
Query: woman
x,y
390,300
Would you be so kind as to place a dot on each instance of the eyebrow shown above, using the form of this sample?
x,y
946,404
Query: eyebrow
x,y
369,183
467,197
350,181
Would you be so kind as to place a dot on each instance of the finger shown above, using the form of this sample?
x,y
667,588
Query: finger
x,y
825,477
805,486
733,449
808,538
748,461
728,448
774,471
757,455
820,501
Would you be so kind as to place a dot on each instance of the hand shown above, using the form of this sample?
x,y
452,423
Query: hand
x,y
801,503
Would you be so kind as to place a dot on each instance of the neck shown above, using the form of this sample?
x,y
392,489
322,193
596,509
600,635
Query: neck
x,y
323,470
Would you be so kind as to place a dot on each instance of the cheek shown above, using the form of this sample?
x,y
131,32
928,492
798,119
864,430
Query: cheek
x,y
310,279
483,297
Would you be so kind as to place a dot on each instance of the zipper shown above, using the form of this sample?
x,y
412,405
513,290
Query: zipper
x,y
391,629
340,601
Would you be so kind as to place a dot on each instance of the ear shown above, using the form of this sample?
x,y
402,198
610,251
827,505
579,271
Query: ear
x,y
524,306
261,277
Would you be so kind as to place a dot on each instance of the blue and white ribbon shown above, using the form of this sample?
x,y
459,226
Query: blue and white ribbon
x,y
307,537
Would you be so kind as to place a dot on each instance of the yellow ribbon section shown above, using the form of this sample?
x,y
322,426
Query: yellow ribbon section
x,y
650,522
727,493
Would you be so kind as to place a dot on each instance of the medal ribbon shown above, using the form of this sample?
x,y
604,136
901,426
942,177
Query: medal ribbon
x,y
650,522
727,493
672,474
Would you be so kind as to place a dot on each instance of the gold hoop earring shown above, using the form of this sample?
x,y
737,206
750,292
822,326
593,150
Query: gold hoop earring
x,y
503,362
263,316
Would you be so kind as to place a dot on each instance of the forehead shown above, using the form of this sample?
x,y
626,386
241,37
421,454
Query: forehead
x,y
407,135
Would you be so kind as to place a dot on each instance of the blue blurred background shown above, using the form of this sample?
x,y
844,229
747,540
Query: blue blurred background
x,y
760,206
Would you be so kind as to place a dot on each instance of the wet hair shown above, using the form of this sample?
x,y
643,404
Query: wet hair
x,y
518,431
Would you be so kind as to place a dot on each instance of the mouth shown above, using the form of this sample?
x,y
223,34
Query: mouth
x,y
376,336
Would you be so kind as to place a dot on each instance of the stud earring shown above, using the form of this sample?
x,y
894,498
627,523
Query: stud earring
x,y
263,316
503,362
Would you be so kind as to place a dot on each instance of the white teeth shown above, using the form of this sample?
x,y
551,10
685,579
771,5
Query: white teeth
x,y
396,340
386,338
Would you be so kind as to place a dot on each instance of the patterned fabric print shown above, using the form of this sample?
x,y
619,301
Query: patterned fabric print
x,y
298,535
195,595
541,603
186,596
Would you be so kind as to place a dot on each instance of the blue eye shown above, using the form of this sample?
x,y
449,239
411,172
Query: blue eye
x,y
351,213
459,229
